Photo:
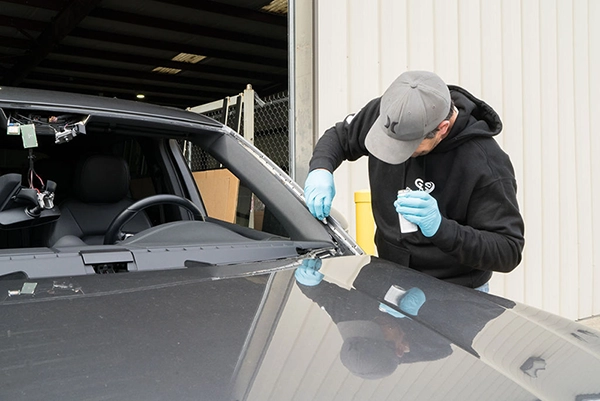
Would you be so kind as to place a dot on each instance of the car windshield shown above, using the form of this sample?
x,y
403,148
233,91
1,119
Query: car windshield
x,y
91,185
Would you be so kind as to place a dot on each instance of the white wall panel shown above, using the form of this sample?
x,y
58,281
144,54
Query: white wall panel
x,y
594,110
530,186
549,200
468,49
491,57
536,62
511,111
567,219
581,63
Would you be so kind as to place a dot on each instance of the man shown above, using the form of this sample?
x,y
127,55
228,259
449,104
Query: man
x,y
436,140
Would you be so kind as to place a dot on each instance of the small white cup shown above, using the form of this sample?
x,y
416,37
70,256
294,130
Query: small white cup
x,y
405,225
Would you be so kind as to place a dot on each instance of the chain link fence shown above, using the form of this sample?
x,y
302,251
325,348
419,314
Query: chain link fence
x,y
271,131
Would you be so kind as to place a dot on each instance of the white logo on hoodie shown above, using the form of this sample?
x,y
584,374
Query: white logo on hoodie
x,y
424,186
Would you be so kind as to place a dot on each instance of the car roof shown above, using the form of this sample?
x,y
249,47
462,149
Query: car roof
x,y
35,99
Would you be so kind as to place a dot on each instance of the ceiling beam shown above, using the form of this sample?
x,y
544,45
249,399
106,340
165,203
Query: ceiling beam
x,y
20,23
8,58
55,5
61,26
131,87
193,29
15,43
227,10
200,67
32,25
176,47
153,22
118,93
169,80
201,5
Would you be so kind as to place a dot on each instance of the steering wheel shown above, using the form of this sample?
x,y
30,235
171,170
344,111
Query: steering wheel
x,y
114,229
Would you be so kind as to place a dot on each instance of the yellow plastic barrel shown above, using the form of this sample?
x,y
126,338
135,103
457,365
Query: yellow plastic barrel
x,y
365,225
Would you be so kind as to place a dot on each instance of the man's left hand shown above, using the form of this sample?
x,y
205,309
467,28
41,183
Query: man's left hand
x,y
420,208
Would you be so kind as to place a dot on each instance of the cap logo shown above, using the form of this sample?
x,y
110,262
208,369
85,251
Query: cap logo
x,y
391,124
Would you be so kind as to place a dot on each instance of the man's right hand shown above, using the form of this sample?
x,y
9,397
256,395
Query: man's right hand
x,y
319,191
308,273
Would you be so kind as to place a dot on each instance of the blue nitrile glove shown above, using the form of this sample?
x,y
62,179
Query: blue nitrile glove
x,y
412,301
319,191
392,312
308,272
420,208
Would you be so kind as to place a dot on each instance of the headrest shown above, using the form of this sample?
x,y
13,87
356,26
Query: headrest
x,y
101,179
59,170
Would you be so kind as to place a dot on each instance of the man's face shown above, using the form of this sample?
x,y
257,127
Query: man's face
x,y
427,145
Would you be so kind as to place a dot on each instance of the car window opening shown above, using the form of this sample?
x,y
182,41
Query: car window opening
x,y
61,188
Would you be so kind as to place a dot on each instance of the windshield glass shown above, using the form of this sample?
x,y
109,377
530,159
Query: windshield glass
x,y
108,193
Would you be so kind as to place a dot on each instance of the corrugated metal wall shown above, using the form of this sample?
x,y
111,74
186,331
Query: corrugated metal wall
x,y
537,62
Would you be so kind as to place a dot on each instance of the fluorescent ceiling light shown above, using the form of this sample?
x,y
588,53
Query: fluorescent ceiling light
x,y
165,70
277,7
188,58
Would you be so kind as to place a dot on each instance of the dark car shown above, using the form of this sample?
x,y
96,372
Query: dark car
x,y
127,275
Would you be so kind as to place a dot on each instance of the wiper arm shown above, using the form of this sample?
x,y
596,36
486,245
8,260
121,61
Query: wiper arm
x,y
323,249
219,271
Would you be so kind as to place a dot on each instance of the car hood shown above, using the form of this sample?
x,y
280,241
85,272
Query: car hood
x,y
368,330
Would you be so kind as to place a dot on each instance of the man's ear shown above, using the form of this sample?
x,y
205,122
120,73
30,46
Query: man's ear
x,y
443,129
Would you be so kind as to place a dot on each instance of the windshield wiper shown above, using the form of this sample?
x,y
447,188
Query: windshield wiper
x,y
309,250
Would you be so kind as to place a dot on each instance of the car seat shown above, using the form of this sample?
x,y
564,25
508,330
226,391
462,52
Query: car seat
x,y
100,192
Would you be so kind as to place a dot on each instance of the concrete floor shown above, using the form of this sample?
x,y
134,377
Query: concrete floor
x,y
593,322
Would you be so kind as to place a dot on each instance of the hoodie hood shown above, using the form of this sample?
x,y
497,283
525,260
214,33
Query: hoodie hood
x,y
475,119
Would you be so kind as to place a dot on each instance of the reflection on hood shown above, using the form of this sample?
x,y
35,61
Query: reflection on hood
x,y
380,331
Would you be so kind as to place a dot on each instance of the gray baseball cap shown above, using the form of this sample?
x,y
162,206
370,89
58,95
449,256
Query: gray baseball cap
x,y
414,104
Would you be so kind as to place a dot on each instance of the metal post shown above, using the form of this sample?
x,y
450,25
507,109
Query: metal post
x,y
292,85
301,86
225,111
248,98
238,113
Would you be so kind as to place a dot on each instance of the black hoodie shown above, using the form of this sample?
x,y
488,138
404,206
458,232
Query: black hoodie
x,y
473,182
